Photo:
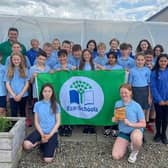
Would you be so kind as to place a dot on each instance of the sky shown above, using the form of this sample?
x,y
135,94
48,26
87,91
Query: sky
x,y
122,10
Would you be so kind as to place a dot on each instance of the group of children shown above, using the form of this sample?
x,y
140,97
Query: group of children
x,y
147,89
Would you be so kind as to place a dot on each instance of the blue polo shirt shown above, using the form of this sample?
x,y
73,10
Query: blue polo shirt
x,y
17,83
101,60
134,114
35,69
59,67
113,67
159,85
139,77
3,91
46,117
74,61
126,63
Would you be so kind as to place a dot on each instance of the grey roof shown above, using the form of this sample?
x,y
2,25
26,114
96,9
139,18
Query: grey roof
x,y
158,13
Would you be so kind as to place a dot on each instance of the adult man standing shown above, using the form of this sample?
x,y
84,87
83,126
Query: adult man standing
x,y
6,47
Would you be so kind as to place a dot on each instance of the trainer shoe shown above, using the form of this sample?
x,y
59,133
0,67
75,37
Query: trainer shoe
x,y
133,156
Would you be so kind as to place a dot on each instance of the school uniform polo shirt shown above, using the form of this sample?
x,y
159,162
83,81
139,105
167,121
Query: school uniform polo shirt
x,y
113,67
17,83
46,117
35,69
134,114
3,91
139,77
126,63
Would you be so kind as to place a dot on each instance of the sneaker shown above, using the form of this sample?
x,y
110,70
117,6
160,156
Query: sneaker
x,y
67,131
92,130
85,130
164,139
107,132
133,156
157,138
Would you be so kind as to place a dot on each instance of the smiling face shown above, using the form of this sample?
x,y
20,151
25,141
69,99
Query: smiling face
x,y
87,56
101,51
112,59
41,60
157,51
125,94
56,44
114,45
13,35
163,63
144,45
16,48
140,61
63,59
91,46
16,60
47,93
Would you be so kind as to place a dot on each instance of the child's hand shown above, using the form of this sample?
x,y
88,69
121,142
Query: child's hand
x,y
162,103
17,98
44,138
34,75
114,119
73,68
51,71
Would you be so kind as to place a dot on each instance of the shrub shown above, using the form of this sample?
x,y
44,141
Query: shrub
x,y
5,124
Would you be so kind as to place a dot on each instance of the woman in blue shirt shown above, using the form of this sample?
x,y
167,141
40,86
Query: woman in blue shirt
x,y
159,90
131,128
47,122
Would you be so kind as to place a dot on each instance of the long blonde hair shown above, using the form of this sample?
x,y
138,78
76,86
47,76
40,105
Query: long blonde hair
x,y
22,67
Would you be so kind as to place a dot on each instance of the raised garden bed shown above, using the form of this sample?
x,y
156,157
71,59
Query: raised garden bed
x,y
11,143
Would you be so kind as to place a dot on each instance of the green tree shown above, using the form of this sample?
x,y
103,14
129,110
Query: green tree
x,y
80,86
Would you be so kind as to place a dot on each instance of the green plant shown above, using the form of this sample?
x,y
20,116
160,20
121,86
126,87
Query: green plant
x,y
5,124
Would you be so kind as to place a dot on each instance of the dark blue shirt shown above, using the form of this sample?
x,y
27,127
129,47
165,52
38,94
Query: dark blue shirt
x,y
159,85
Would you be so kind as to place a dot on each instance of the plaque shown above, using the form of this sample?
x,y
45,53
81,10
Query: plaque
x,y
119,113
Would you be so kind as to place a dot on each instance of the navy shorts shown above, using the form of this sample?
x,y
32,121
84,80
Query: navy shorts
x,y
3,101
48,148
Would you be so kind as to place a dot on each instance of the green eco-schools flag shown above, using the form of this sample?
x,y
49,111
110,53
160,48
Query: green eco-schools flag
x,y
86,97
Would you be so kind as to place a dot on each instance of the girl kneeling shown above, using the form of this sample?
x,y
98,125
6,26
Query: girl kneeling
x,y
47,122
131,128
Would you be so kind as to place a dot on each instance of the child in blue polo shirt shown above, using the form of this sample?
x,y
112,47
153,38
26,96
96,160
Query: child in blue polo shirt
x,y
39,67
47,122
159,90
125,60
131,128
87,64
112,62
74,59
92,47
139,79
16,47
65,130
3,91
101,58
17,83
63,62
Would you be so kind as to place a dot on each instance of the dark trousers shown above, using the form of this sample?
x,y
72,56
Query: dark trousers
x,y
15,106
161,119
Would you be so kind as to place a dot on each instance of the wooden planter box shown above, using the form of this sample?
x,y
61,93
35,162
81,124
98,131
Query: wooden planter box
x,y
11,144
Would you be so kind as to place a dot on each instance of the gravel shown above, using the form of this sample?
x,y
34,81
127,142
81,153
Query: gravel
x,y
96,155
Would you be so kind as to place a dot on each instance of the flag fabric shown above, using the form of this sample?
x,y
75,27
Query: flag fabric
x,y
85,97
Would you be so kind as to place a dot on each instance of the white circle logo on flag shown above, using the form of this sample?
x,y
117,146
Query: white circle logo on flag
x,y
81,97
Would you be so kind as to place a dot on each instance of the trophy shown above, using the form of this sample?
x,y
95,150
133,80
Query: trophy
x,y
119,113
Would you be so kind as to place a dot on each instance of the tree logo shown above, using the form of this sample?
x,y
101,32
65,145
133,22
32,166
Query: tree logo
x,y
81,97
